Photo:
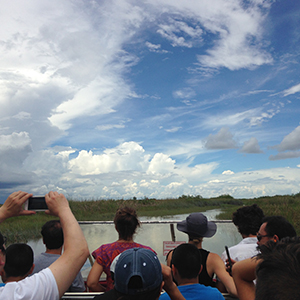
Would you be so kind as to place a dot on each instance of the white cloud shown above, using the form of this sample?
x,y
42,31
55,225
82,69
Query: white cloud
x,y
180,33
127,156
293,90
185,93
155,48
174,129
222,140
251,146
228,172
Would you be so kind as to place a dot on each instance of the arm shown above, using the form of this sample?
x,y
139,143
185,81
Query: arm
x,y
76,251
169,285
216,264
13,206
243,273
93,278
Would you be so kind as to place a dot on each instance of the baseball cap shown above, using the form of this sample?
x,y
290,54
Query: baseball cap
x,y
196,225
137,262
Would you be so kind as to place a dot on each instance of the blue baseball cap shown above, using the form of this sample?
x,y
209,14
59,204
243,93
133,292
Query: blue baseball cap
x,y
142,264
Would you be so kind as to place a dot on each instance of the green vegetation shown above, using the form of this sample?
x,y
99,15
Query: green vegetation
x,y
22,229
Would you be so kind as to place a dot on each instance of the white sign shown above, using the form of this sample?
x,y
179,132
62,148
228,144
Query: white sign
x,y
169,245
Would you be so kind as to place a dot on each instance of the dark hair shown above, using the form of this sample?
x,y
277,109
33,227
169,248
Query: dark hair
x,y
248,219
19,260
280,226
126,222
187,260
52,233
278,272
149,295
2,243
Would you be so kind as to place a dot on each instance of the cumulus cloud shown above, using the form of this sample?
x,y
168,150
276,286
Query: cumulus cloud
x,y
222,140
228,172
14,148
285,155
251,146
290,141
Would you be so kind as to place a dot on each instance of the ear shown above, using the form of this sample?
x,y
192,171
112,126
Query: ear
x,y
201,269
275,238
31,269
161,287
174,270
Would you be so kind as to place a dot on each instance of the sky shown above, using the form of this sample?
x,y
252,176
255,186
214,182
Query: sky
x,y
114,99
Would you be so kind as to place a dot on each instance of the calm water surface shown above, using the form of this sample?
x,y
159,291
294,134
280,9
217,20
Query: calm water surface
x,y
153,235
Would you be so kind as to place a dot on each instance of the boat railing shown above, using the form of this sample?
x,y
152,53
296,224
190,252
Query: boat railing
x,y
91,295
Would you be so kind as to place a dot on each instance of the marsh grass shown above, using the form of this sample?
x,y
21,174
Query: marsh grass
x,y
22,229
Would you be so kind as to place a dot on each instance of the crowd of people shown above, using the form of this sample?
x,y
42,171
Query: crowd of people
x,y
264,265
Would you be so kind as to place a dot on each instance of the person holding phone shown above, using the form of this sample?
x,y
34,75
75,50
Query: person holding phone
x,y
52,282
248,220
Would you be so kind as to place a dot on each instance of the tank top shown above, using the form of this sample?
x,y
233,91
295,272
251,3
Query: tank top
x,y
204,277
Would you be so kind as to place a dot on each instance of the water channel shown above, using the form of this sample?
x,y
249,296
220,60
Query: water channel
x,y
153,232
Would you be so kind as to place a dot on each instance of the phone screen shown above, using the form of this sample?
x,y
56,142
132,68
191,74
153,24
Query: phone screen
x,y
37,203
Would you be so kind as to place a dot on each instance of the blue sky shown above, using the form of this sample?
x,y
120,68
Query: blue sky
x,y
115,99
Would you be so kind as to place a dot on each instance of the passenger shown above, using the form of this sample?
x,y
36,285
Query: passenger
x,y
53,238
274,229
126,223
278,270
248,220
18,264
139,275
186,266
52,282
197,227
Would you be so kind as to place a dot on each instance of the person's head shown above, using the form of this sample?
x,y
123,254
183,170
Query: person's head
x,y
197,227
278,273
274,228
138,275
19,262
52,233
248,219
126,222
186,263
2,251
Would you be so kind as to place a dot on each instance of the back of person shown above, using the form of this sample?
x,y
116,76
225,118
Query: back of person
x,y
19,262
53,239
278,271
126,223
186,266
248,220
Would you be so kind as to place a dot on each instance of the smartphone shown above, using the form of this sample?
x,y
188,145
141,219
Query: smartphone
x,y
229,259
36,204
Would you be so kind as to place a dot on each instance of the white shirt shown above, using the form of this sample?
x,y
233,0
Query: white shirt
x,y
41,286
245,249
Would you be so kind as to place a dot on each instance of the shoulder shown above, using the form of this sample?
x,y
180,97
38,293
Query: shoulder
x,y
164,296
145,247
102,248
40,286
208,291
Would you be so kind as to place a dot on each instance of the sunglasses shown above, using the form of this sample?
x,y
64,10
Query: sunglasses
x,y
259,236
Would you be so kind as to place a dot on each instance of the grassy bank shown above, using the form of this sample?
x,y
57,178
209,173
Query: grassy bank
x,y
22,229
